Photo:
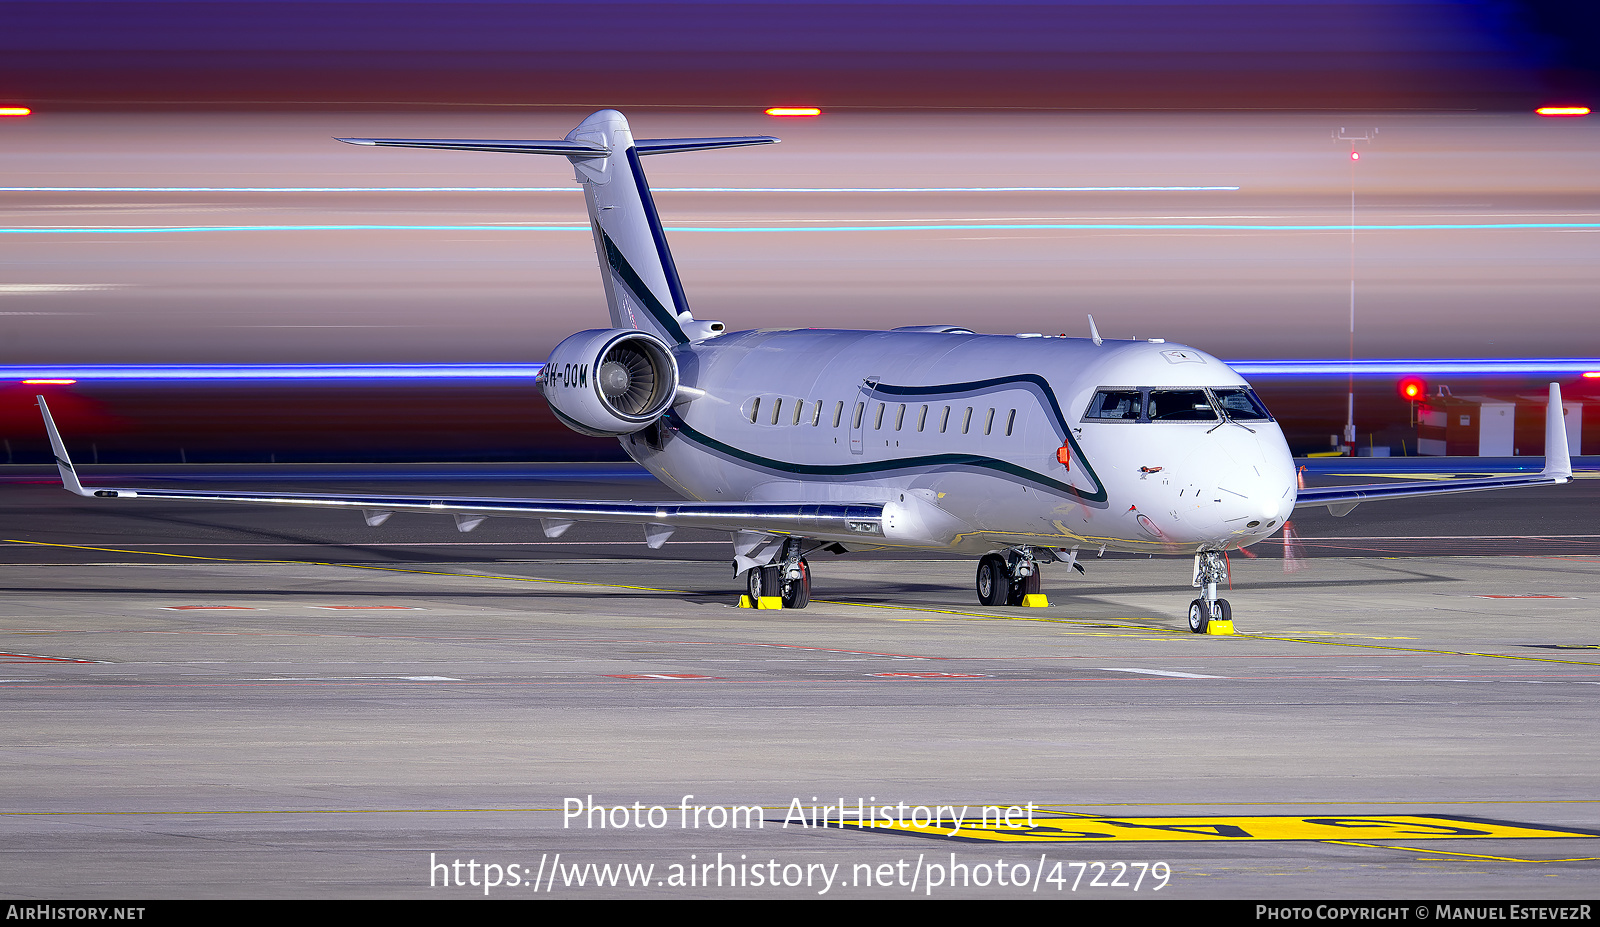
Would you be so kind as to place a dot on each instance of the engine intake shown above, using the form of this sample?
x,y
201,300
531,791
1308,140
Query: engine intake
x,y
609,382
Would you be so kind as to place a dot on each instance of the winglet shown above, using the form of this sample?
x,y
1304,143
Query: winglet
x,y
69,476
1557,459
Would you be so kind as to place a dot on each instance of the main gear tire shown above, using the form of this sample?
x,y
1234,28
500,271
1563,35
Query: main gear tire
x,y
994,581
797,592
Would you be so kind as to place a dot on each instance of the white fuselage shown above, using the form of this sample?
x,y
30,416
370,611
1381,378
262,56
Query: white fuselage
x,y
961,437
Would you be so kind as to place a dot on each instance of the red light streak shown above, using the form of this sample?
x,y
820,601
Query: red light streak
x,y
49,382
15,111
794,111
1563,110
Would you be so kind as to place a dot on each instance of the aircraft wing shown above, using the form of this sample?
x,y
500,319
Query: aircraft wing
x,y
1557,469
748,520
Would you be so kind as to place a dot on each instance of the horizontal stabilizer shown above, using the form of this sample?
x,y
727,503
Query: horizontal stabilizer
x,y
649,146
643,291
571,148
561,146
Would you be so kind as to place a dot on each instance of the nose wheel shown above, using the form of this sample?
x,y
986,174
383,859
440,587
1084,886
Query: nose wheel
x,y
1210,570
1201,615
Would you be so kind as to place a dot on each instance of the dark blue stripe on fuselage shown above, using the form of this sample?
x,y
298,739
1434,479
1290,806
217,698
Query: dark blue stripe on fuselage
x,y
925,462
1046,394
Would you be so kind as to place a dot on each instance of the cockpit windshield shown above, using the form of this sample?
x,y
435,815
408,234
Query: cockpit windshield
x,y
1180,405
1197,404
1241,405
1116,405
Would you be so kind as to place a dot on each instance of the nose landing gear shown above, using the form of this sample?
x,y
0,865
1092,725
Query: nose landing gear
x,y
1210,568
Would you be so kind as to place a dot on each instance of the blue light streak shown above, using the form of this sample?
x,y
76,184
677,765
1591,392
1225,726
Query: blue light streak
x,y
1541,366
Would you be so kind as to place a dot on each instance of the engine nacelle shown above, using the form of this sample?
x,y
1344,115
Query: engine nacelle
x,y
609,382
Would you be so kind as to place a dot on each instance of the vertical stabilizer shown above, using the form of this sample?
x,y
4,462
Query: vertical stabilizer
x,y
642,287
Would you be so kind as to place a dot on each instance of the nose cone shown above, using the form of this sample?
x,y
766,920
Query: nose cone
x,y
1247,481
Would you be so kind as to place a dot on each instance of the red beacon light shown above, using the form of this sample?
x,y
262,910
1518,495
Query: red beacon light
x,y
1412,389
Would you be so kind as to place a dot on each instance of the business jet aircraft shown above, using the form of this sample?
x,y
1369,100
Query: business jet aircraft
x,y
1020,449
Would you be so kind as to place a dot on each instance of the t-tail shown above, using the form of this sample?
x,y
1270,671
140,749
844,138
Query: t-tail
x,y
641,281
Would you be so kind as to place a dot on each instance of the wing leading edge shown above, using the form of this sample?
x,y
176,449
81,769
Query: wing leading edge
x,y
814,520
1557,469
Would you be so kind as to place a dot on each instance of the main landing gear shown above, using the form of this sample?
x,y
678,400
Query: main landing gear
x,y
1210,568
1004,579
795,590
789,578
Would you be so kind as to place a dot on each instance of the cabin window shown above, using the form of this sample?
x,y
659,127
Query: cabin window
x,y
799,406
1180,405
966,421
944,420
988,423
900,417
877,422
755,409
1011,421
838,413
860,408
777,407
922,418
816,413
1114,405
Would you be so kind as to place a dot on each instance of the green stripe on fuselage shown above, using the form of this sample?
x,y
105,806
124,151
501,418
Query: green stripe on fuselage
x,y
631,279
